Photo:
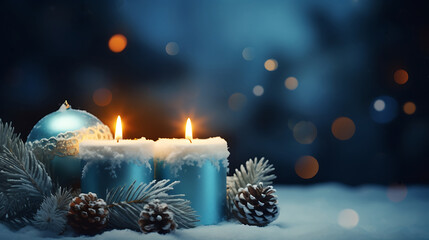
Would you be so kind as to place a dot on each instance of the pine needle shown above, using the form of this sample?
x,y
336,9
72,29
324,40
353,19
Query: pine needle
x,y
52,213
254,172
126,203
24,181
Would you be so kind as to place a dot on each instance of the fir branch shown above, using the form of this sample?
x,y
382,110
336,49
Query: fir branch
x,y
8,137
23,179
53,211
254,172
16,222
125,204
24,173
3,204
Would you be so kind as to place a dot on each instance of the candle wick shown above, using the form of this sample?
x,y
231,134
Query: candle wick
x,y
117,140
66,104
190,140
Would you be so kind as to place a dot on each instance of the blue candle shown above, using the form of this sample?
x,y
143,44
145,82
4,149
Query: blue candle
x,y
108,164
201,166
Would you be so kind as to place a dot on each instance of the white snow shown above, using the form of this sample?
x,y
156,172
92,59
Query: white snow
x,y
139,151
178,152
167,226
111,150
306,213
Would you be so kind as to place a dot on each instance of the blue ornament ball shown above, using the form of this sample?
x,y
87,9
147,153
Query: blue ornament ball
x,y
55,141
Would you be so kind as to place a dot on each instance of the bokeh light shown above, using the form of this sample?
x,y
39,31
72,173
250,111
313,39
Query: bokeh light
x,y
172,48
306,167
400,76
102,97
348,218
117,43
237,101
343,128
271,64
258,90
409,108
397,193
304,132
248,54
291,83
379,105
383,109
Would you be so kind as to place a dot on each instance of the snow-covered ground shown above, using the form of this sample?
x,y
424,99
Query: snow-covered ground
x,y
323,211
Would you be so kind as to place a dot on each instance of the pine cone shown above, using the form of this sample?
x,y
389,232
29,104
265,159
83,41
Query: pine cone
x,y
156,217
256,205
88,214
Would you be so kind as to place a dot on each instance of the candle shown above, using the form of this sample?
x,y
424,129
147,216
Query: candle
x,y
200,165
113,163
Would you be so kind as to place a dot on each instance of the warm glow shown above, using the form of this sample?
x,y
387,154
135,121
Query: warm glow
x,y
271,65
117,43
188,132
118,130
409,108
400,76
306,167
291,83
102,97
343,128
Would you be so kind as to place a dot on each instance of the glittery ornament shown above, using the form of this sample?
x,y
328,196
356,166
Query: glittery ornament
x,y
55,141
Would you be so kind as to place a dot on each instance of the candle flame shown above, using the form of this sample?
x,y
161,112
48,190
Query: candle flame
x,y
118,130
188,132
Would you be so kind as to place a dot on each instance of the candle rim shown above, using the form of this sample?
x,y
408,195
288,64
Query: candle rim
x,y
113,142
197,141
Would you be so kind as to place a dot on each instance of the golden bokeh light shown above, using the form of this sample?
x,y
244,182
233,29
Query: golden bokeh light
x,y
304,132
306,167
397,193
102,97
400,76
409,108
343,128
172,48
271,64
117,43
291,83
237,101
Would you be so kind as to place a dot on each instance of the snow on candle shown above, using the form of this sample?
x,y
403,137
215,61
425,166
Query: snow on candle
x,y
200,165
180,152
112,163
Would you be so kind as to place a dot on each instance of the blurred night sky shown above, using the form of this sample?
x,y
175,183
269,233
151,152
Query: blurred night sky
x,y
280,79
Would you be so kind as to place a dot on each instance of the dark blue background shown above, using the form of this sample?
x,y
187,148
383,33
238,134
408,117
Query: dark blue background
x,y
343,53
